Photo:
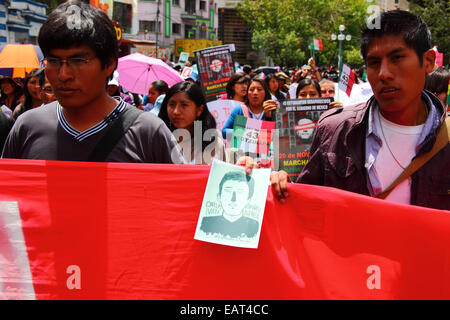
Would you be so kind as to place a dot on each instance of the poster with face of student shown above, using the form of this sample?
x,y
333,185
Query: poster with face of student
x,y
296,122
215,68
233,206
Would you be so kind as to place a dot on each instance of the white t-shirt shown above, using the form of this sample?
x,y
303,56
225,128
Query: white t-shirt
x,y
402,141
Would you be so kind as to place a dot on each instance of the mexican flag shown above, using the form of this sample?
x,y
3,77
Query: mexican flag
x,y
316,45
439,57
251,135
347,79
448,93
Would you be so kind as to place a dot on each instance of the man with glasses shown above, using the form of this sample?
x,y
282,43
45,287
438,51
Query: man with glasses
x,y
81,53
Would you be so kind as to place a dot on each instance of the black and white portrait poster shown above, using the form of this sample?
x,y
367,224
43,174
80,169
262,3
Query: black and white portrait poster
x,y
233,206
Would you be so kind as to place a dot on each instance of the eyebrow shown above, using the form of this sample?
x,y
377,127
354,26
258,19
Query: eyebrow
x,y
76,55
391,53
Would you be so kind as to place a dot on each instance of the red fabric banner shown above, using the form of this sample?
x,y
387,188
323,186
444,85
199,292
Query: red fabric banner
x,y
125,231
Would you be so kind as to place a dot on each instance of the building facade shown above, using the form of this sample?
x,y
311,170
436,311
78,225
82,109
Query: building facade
x,y
165,21
20,21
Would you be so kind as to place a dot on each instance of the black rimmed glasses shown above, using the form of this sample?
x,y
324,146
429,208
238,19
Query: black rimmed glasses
x,y
74,62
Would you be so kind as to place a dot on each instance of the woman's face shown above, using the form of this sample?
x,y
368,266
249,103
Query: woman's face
x,y
308,92
273,85
7,87
256,94
33,88
240,87
182,111
153,94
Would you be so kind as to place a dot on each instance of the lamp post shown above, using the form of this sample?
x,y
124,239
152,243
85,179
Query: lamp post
x,y
341,37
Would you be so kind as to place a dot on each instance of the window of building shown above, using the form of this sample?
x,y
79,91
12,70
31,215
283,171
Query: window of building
x,y
123,14
190,6
189,32
176,3
203,5
176,28
149,26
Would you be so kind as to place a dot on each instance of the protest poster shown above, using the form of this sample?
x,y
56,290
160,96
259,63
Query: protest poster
x,y
253,138
184,56
221,110
296,124
233,206
215,68
347,79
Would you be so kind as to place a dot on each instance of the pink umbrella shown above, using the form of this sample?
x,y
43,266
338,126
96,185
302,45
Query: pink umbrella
x,y
137,72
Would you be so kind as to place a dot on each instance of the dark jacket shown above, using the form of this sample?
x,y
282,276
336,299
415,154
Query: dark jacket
x,y
6,124
337,157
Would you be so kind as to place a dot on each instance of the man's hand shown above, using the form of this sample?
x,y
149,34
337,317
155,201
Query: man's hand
x,y
280,181
248,163
335,104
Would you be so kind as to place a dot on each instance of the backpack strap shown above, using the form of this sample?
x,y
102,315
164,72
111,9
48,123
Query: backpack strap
x,y
114,134
442,140
245,110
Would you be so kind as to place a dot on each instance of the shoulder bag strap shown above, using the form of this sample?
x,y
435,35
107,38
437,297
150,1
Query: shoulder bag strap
x,y
114,134
245,110
442,140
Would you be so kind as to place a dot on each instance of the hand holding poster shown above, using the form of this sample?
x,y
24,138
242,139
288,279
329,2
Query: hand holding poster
x,y
215,68
296,125
233,206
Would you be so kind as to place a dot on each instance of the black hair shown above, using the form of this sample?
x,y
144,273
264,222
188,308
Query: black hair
x,y
196,95
41,76
437,81
235,78
17,93
307,82
28,101
277,93
160,86
238,176
247,69
75,23
264,85
411,27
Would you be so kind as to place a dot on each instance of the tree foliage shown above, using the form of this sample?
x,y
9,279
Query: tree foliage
x,y
436,13
284,28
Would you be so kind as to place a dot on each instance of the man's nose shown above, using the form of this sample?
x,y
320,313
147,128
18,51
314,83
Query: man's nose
x,y
385,72
233,198
65,72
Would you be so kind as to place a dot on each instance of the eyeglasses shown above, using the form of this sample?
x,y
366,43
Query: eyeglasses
x,y
327,91
56,63
243,82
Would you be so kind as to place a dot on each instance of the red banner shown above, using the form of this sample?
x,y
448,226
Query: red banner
x,y
125,231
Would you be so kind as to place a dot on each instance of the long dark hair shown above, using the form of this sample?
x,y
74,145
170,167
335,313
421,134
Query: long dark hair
x,y
17,93
28,101
277,93
196,95
235,78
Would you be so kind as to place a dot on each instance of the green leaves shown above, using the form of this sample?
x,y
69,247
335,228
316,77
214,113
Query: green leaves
x,y
436,13
284,28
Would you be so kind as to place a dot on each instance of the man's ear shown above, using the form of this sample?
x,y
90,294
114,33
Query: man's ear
x,y
429,60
